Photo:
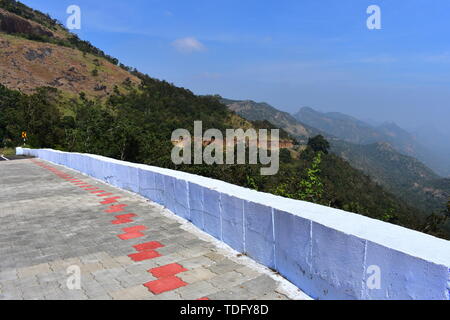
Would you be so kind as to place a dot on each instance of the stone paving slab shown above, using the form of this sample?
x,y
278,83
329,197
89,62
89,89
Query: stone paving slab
x,y
54,228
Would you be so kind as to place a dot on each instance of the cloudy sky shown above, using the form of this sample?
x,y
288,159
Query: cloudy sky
x,y
289,53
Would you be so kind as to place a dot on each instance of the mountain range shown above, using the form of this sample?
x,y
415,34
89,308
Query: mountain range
x,y
380,152
352,130
69,95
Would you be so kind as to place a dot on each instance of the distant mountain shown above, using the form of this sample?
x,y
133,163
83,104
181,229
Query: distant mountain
x,y
437,140
405,176
254,111
356,131
339,125
359,144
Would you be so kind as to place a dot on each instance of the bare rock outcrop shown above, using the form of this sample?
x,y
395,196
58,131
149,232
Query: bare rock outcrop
x,y
11,23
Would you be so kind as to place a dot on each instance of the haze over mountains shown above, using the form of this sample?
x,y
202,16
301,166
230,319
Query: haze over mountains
x,y
356,131
382,152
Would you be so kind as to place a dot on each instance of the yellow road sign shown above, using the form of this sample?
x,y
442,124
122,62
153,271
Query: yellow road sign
x,y
24,135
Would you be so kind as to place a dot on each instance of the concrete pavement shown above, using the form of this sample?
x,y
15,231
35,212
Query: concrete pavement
x,y
56,222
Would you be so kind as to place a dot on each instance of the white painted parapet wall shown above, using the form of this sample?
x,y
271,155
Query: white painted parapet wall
x,y
328,253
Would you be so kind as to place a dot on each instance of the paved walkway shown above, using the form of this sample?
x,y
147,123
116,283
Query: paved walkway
x,y
56,222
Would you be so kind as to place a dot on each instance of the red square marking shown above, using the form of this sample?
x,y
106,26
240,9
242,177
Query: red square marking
x,y
165,284
110,200
104,195
130,235
98,191
167,271
134,229
148,246
204,298
121,221
116,208
126,216
90,189
145,255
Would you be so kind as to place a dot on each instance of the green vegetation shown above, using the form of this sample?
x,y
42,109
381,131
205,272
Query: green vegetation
x,y
319,144
7,151
402,175
311,188
135,124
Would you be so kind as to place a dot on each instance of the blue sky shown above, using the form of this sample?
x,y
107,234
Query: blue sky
x,y
287,53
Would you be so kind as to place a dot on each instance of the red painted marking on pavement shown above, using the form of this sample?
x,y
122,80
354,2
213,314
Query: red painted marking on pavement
x,y
110,200
105,195
167,271
165,284
204,298
98,191
134,229
121,221
148,246
126,216
144,255
84,186
90,189
131,235
116,208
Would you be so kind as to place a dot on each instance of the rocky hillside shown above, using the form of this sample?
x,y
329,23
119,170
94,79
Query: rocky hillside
x,y
356,131
262,111
26,65
37,52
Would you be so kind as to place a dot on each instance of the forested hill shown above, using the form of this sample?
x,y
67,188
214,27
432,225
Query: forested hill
x,y
355,131
134,116
404,176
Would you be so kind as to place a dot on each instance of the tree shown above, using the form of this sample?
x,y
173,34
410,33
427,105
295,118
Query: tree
x,y
434,223
319,144
311,188
285,156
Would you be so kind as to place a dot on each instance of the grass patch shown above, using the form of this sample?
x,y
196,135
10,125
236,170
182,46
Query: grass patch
x,y
8,151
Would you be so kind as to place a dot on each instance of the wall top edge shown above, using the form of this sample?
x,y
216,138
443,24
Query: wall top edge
x,y
411,242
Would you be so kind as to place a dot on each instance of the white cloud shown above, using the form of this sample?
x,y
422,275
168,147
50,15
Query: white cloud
x,y
188,45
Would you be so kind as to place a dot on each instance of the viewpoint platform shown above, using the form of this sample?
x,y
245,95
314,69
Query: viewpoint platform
x,y
58,225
